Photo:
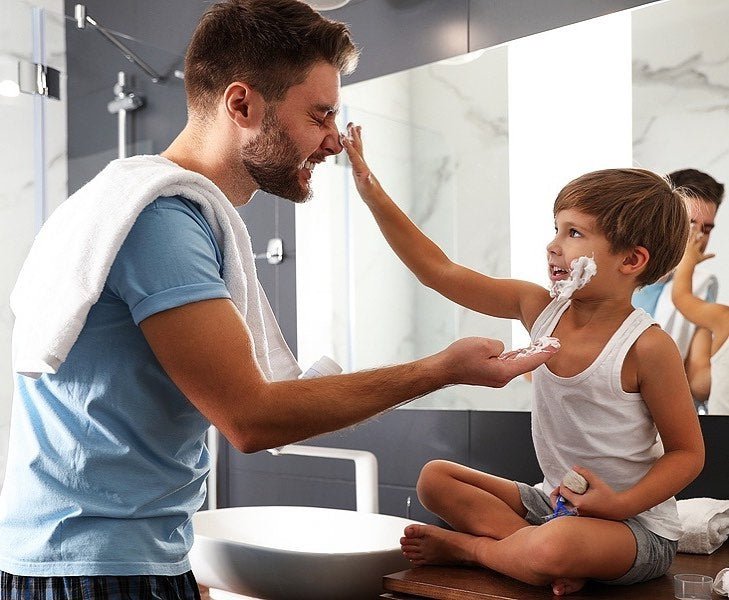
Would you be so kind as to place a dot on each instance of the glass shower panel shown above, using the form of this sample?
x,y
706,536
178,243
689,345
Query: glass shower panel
x,y
94,65
356,302
55,128
32,158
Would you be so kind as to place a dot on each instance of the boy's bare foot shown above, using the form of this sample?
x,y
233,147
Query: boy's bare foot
x,y
564,586
431,545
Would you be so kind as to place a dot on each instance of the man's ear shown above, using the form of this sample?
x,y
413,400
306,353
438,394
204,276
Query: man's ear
x,y
243,105
635,261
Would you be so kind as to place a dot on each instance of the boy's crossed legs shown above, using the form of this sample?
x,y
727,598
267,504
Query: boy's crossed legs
x,y
491,530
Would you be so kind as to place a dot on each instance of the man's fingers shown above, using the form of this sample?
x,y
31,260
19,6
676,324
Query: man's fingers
x,y
529,358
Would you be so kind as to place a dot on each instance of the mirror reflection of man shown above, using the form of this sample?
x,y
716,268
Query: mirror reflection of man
x,y
693,343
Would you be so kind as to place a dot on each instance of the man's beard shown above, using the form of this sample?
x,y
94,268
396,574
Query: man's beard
x,y
273,161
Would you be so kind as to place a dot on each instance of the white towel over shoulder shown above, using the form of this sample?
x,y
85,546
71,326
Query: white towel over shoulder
x,y
67,267
705,523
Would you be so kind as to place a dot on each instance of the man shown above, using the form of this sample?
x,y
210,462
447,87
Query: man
x,y
705,197
139,321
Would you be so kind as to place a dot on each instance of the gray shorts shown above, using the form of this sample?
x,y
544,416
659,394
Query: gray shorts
x,y
655,553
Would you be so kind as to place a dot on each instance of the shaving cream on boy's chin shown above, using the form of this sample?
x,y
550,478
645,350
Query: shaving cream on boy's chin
x,y
582,269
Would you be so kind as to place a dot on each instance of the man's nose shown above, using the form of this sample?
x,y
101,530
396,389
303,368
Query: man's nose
x,y
331,143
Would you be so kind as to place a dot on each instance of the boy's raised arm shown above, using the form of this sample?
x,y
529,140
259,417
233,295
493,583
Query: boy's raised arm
x,y
506,298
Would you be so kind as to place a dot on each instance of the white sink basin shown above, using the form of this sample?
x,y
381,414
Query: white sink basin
x,y
296,552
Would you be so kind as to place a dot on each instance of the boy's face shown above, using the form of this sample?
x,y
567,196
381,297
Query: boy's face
x,y
577,234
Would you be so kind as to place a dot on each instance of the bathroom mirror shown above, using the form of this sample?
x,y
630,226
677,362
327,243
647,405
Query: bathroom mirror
x,y
475,149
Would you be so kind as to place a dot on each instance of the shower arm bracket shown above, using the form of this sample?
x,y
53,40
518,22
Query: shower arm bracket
x,y
82,19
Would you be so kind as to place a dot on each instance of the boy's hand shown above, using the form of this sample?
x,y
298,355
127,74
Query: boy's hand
x,y
600,500
364,180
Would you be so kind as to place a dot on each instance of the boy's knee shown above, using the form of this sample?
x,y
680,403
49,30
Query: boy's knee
x,y
547,554
432,476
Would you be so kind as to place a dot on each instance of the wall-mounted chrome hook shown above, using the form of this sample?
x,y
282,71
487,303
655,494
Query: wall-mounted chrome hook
x,y
274,253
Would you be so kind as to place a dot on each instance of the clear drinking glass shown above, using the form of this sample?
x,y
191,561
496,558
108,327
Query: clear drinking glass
x,y
690,586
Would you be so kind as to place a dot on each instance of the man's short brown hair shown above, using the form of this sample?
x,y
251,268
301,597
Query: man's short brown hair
x,y
698,184
269,44
633,207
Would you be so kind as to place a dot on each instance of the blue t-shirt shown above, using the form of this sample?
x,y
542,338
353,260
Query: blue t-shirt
x,y
647,297
107,461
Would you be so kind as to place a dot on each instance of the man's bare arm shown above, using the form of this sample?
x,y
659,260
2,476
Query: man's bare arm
x,y
206,349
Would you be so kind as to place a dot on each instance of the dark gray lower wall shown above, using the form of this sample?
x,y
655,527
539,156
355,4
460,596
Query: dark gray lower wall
x,y
403,441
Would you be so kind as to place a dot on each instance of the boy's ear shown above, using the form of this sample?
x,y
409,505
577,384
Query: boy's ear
x,y
243,105
636,261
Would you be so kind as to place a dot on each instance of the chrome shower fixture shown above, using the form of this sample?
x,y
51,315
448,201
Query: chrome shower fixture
x,y
123,103
82,19
123,100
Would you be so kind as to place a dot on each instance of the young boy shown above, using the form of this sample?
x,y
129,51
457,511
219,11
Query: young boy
x,y
613,403
712,318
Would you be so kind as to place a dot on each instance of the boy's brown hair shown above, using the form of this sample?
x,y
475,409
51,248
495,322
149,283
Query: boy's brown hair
x,y
633,207
269,44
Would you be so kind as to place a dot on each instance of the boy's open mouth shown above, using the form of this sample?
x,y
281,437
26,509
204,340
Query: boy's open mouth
x,y
557,273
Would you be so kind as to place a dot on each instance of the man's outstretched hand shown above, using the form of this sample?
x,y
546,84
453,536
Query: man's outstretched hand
x,y
482,361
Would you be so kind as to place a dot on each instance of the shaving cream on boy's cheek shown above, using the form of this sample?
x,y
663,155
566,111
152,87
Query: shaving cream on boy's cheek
x,y
582,269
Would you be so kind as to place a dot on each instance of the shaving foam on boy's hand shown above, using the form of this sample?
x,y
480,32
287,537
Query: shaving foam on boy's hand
x,y
575,482
543,344
582,269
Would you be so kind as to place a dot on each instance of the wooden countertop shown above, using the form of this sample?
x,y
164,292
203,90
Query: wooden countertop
x,y
460,583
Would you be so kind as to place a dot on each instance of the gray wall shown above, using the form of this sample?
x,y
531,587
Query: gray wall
x,y
393,35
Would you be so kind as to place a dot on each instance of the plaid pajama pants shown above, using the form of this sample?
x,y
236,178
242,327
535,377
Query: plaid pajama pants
x,y
136,587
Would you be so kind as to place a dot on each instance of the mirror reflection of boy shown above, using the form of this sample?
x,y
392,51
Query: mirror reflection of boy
x,y
613,404
706,195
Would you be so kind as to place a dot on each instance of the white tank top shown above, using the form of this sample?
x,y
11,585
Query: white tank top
x,y
719,396
588,420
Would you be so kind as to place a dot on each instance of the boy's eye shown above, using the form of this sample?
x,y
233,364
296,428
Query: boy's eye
x,y
574,232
